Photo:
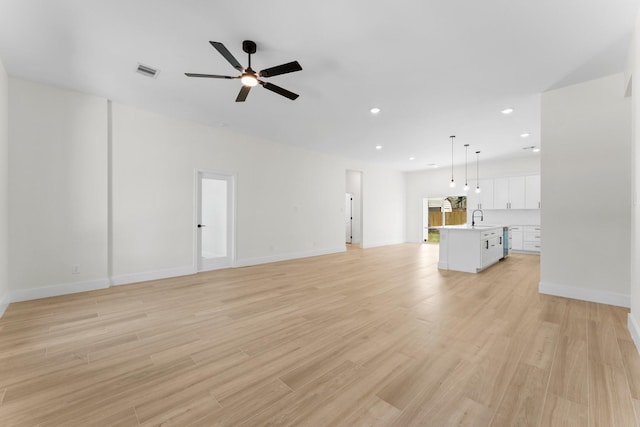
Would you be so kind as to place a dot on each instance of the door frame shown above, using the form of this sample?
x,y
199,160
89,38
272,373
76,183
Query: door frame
x,y
231,178
350,216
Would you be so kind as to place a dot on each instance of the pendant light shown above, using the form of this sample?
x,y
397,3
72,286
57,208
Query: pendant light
x,y
477,171
452,183
466,155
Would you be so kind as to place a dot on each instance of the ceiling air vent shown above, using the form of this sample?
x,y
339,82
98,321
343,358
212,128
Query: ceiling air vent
x,y
147,71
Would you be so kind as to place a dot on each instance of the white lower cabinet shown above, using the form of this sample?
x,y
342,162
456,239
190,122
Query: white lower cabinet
x,y
532,238
491,247
468,249
525,238
516,238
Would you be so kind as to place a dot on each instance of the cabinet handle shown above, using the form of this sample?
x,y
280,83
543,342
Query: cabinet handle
x,y
487,244
500,239
538,205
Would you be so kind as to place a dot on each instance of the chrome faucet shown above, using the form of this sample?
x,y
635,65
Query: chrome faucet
x,y
473,217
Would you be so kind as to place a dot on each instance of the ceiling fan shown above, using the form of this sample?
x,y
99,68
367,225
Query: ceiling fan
x,y
250,78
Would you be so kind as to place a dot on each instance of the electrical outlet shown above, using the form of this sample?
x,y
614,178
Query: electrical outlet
x,y
75,269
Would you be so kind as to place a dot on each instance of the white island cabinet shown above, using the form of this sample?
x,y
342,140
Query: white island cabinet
x,y
470,249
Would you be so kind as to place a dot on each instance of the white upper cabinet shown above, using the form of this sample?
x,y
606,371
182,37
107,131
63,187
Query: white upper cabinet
x,y
482,200
532,192
509,193
515,192
501,193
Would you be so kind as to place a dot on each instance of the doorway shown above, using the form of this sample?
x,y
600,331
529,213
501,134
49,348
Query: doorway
x,y
348,209
436,212
215,220
353,208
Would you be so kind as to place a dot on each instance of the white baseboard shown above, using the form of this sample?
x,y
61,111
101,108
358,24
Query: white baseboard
x,y
72,288
369,245
592,295
4,303
126,279
634,330
247,262
57,290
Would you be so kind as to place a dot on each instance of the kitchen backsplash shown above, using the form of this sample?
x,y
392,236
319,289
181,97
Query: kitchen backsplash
x,y
509,217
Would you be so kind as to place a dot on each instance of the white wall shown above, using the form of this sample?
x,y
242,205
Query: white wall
x,y
58,189
633,76
435,184
290,201
383,201
66,207
4,189
586,188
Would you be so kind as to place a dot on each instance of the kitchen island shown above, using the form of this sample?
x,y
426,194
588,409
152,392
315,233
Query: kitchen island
x,y
470,249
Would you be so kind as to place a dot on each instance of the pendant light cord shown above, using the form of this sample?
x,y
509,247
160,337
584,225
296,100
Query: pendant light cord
x,y
452,136
466,163
477,171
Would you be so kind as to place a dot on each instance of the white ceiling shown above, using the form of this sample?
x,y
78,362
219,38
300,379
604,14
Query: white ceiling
x,y
434,67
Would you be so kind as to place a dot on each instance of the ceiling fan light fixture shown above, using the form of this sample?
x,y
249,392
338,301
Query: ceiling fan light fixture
x,y
248,79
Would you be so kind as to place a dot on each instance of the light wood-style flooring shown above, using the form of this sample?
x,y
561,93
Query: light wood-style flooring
x,y
369,337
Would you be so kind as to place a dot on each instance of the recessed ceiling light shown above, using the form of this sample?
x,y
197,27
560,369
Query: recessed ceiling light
x,y
535,149
507,111
378,147
525,135
412,158
375,110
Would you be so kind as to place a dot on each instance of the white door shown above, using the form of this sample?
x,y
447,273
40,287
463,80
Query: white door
x,y
215,221
348,219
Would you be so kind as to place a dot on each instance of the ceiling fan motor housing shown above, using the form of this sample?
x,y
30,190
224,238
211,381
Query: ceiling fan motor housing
x,y
249,47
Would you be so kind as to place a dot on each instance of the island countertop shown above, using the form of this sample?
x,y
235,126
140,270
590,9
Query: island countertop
x,y
469,227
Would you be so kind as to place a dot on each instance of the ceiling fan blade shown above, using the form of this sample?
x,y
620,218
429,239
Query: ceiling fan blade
x,y
289,67
244,91
211,76
227,55
280,91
